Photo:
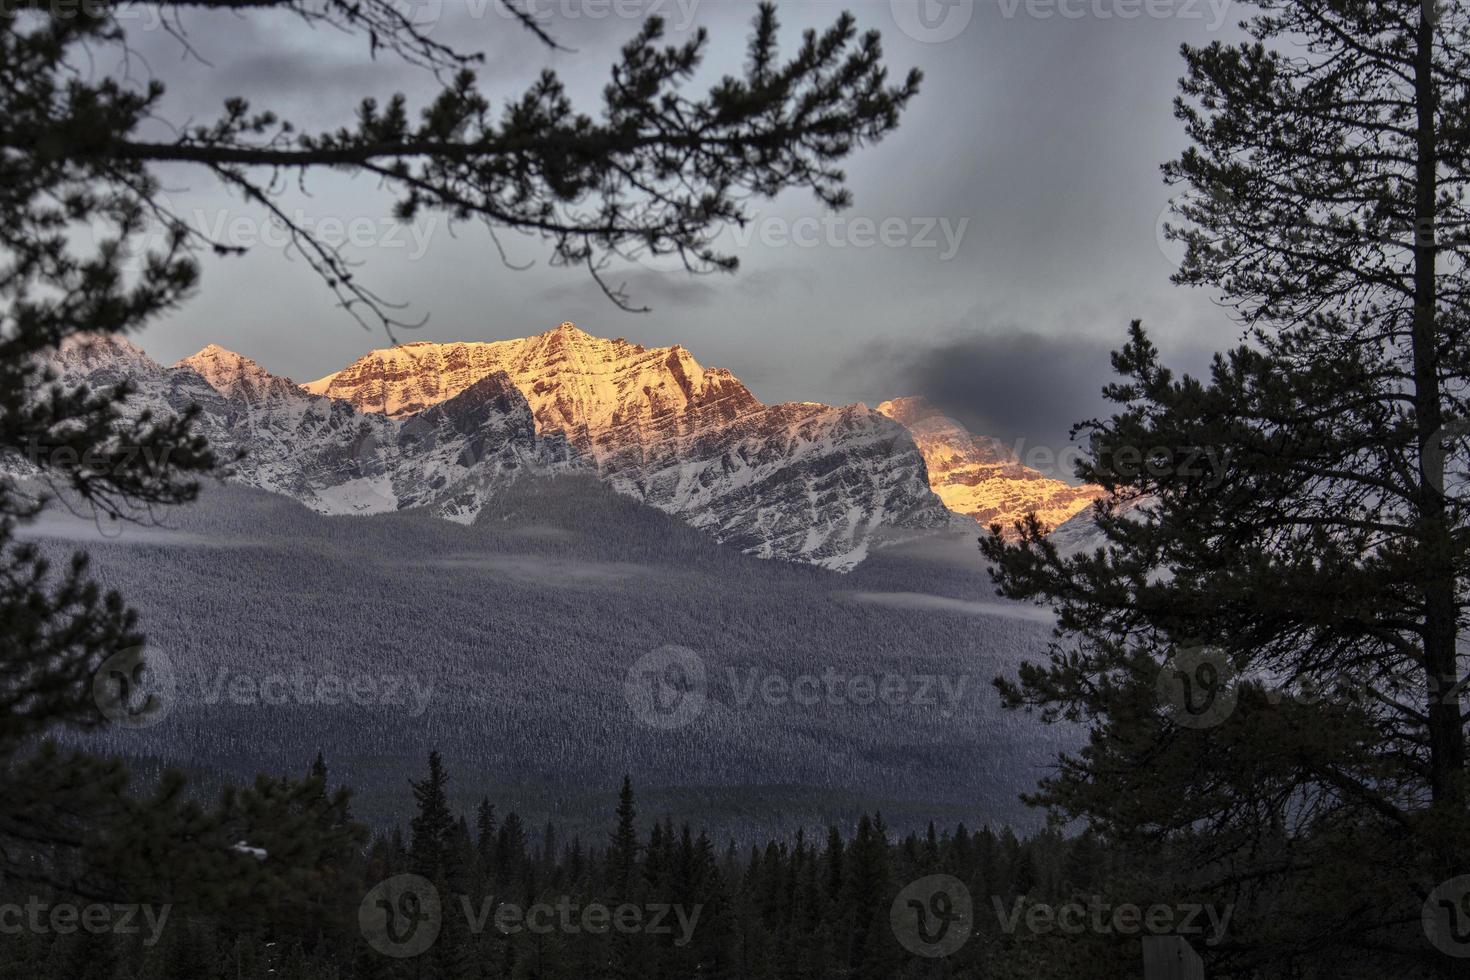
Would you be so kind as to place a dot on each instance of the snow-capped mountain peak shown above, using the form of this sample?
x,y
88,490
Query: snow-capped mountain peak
x,y
794,481
446,426
576,383
110,352
237,376
981,477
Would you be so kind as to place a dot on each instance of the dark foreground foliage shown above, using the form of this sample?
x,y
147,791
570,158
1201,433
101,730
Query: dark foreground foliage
x,y
688,907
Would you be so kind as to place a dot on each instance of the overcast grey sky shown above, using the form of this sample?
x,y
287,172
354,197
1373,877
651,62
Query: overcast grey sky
x,y
1012,221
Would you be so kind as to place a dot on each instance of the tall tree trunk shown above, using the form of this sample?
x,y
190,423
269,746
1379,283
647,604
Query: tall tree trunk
x,y
1446,734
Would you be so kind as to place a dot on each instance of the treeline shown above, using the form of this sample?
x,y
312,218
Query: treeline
x,y
480,895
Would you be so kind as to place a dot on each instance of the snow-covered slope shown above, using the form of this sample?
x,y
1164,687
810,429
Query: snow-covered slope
x,y
445,426
323,452
979,477
806,481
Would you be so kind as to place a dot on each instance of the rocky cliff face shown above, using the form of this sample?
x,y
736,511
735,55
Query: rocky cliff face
x,y
443,426
604,394
979,477
805,481
323,452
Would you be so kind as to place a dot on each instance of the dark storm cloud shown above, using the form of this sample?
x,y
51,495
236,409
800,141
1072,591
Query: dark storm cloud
x,y
1014,386
1026,389
669,289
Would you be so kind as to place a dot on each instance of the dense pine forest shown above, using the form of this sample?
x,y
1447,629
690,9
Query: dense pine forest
x,y
797,908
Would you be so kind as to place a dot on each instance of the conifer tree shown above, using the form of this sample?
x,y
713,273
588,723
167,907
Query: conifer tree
x,y
431,829
510,855
1267,647
485,841
623,843
833,860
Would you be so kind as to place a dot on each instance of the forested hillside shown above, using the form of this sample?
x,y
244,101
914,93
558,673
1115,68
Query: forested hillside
x,y
509,645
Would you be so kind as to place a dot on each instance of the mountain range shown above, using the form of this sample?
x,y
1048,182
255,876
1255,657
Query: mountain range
x,y
445,427
540,517
521,632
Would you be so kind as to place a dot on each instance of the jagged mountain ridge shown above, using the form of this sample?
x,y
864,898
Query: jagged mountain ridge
x,y
447,426
801,482
980,477
322,451
798,479
603,394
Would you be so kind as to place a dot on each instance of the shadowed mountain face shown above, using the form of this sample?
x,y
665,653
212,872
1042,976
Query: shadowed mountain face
x,y
322,451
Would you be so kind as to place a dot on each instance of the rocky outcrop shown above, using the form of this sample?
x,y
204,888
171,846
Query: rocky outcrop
x,y
981,478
